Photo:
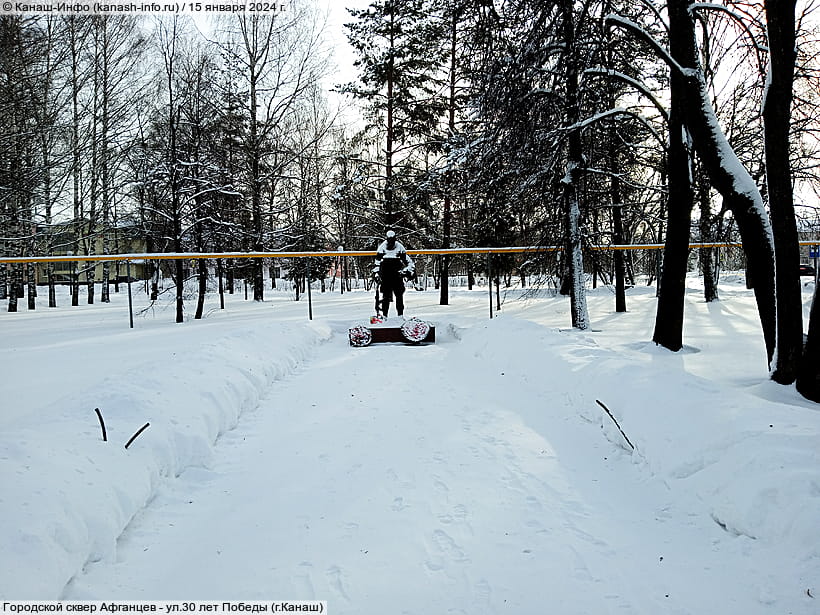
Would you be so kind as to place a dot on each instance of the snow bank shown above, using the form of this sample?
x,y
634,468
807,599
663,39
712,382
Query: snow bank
x,y
59,462
755,463
751,459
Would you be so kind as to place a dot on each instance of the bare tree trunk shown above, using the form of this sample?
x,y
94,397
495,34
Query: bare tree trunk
x,y
75,40
219,275
708,256
203,287
155,271
739,191
16,286
669,317
52,289
391,216
179,278
615,192
255,50
4,275
31,290
780,20
444,295
617,230
572,207
808,377
93,209
172,163
728,176
105,171
45,154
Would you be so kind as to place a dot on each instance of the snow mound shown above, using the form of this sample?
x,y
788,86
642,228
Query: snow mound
x,y
753,464
59,461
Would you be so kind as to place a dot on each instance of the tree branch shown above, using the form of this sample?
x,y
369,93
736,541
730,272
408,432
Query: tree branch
x,y
634,83
629,25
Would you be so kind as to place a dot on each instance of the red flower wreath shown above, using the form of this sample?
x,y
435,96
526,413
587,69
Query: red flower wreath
x,y
415,330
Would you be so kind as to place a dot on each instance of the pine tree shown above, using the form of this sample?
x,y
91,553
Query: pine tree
x,y
398,56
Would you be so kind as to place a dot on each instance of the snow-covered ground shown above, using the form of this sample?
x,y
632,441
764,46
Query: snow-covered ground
x,y
477,475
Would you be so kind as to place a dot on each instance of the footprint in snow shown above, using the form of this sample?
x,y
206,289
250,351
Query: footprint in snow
x,y
448,546
483,591
303,581
334,578
441,486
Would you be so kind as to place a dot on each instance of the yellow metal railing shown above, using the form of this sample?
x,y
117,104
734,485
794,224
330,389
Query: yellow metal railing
x,y
133,257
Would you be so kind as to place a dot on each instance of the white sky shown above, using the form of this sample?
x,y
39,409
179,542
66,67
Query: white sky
x,y
337,17
343,57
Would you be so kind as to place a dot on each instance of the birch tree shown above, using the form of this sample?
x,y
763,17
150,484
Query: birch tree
x,y
77,32
19,80
118,47
170,41
52,102
280,60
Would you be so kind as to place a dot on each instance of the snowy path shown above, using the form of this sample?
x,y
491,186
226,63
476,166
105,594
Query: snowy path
x,y
463,489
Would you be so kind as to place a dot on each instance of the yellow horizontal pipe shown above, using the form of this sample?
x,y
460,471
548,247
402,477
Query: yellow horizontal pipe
x,y
249,255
